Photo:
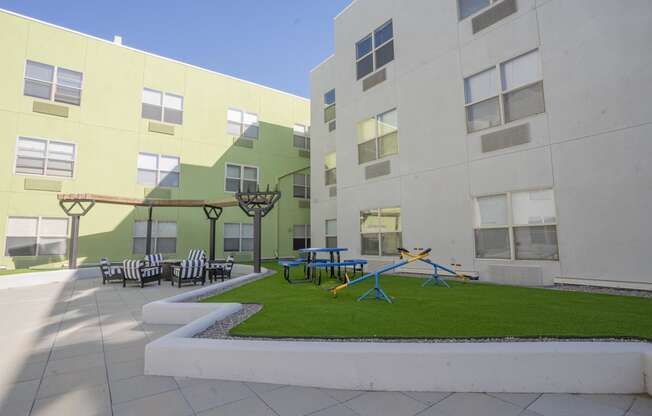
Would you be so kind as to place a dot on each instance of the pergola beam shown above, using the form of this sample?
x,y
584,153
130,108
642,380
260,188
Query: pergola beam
x,y
148,202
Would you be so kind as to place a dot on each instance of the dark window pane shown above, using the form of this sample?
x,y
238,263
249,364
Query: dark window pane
x,y
38,89
30,166
385,55
60,168
390,243
383,34
152,112
524,102
363,47
251,132
367,151
52,246
365,66
231,244
300,142
331,242
300,192
536,243
329,113
492,243
173,116
370,244
166,245
329,97
67,95
169,179
20,246
232,185
483,115
388,144
140,245
299,243
331,177
249,186
247,244
469,7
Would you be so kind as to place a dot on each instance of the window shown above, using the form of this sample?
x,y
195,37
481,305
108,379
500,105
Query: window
x,y
378,137
242,124
520,94
380,231
530,229
331,233
238,237
162,106
52,83
301,137
469,7
240,178
36,236
164,237
44,158
158,170
301,237
375,50
301,186
329,108
330,167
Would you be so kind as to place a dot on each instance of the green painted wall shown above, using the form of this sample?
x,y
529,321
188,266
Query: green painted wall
x,y
109,132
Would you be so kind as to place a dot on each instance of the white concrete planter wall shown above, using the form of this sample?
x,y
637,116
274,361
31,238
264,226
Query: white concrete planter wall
x,y
560,367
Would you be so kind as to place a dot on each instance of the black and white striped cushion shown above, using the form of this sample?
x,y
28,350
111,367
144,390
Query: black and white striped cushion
x,y
132,269
189,269
196,254
154,259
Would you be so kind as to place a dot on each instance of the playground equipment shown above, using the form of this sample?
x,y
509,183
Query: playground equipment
x,y
406,258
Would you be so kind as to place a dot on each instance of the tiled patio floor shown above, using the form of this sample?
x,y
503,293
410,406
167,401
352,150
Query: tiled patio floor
x,y
78,348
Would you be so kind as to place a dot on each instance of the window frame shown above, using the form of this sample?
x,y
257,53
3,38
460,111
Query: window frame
x,y
501,93
163,107
380,233
155,237
374,49
240,238
377,137
53,84
305,187
158,170
38,235
477,12
242,123
510,226
242,168
47,158
305,136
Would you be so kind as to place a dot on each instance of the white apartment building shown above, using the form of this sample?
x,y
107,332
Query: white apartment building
x,y
513,137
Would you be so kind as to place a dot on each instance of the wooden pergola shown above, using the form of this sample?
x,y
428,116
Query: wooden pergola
x,y
78,205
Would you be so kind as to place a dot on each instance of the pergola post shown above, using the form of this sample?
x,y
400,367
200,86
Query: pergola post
x,y
213,214
258,204
75,210
148,243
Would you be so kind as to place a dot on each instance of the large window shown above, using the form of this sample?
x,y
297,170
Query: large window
x,y
158,170
516,226
162,106
238,237
300,237
331,233
242,124
375,50
164,237
301,137
380,231
330,169
469,7
52,83
378,137
44,158
36,236
240,177
301,186
510,91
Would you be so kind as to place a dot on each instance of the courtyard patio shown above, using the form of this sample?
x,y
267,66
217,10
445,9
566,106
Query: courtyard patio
x,y
78,348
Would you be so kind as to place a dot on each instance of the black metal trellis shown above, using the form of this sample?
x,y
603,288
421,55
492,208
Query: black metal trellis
x,y
213,214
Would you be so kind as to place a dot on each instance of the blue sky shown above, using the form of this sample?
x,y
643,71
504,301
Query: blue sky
x,y
271,42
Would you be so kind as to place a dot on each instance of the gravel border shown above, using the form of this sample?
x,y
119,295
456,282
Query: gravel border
x,y
604,290
221,329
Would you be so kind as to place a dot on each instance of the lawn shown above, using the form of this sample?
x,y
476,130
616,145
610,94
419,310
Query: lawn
x,y
465,310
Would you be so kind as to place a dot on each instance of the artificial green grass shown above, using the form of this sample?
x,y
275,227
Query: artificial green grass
x,y
14,271
472,310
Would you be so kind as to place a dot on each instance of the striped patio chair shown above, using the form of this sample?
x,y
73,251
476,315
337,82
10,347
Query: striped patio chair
x,y
110,273
224,272
137,271
154,260
189,271
196,254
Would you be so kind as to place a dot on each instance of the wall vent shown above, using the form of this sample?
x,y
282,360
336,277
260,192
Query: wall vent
x,y
304,204
377,169
375,79
332,191
36,184
304,153
161,128
516,275
493,15
50,109
505,138
249,144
